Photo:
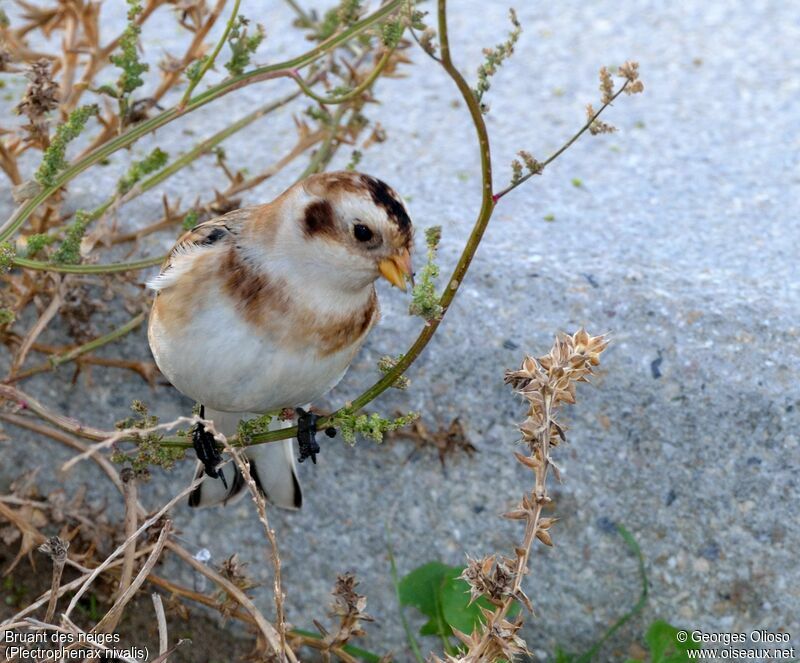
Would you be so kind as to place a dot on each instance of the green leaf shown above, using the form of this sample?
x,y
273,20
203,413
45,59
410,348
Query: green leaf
x,y
563,656
664,645
436,590
458,612
422,589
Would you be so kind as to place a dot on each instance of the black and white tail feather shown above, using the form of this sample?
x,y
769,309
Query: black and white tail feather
x,y
272,467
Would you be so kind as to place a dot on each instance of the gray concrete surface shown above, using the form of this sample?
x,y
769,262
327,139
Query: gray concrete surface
x,y
681,242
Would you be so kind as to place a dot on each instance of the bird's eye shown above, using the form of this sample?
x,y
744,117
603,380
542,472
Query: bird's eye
x,y
362,233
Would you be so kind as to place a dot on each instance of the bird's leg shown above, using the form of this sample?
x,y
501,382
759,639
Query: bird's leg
x,y
205,447
307,434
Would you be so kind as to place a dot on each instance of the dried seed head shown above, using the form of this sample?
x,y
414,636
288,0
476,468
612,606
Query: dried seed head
x,y
606,85
349,606
533,166
426,41
56,548
597,126
549,380
491,577
346,601
234,570
544,537
630,72
41,97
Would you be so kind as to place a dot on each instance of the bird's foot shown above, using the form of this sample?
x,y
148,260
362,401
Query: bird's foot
x,y
307,434
205,447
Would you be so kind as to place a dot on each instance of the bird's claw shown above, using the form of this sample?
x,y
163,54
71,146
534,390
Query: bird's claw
x,y
205,447
307,434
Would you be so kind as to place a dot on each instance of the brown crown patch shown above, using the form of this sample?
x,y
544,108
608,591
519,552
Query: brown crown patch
x,y
385,197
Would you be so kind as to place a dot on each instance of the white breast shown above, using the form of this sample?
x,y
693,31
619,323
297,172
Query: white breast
x,y
222,362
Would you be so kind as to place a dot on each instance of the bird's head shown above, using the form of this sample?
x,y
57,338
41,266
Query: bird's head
x,y
358,226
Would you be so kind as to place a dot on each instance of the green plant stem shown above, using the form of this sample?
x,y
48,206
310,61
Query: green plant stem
x,y
56,360
564,147
209,62
457,277
112,268
281,69
635,610
352,94
326,151
207,145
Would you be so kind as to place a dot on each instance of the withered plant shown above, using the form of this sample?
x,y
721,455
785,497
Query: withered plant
x,y
546,383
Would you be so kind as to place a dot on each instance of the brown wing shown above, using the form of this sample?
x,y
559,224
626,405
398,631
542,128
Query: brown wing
x,y
221,230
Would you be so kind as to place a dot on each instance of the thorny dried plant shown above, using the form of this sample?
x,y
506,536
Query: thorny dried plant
x,y
348,607
55,271
546,383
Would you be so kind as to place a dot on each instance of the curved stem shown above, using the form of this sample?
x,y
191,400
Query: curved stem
x,y
209,62
280,69
206,145
457,277
352,94
177,165
40,265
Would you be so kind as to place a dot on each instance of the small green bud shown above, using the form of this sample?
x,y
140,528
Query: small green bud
x,y
6,316
424,299
7,255
190,220
54,159
154,161
69,253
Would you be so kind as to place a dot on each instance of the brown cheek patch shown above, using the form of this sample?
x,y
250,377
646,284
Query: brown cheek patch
x,y
319,220
263,225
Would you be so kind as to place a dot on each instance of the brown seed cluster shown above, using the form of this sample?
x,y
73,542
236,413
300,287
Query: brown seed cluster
x,y
348,605
546,383
41,97
630,72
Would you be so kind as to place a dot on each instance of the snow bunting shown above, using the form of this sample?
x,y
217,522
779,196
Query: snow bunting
x,y
265,307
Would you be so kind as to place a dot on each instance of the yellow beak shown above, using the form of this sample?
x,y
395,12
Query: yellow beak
x,y
397,269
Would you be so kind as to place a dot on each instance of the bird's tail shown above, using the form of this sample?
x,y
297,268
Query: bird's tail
x,y
272,467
